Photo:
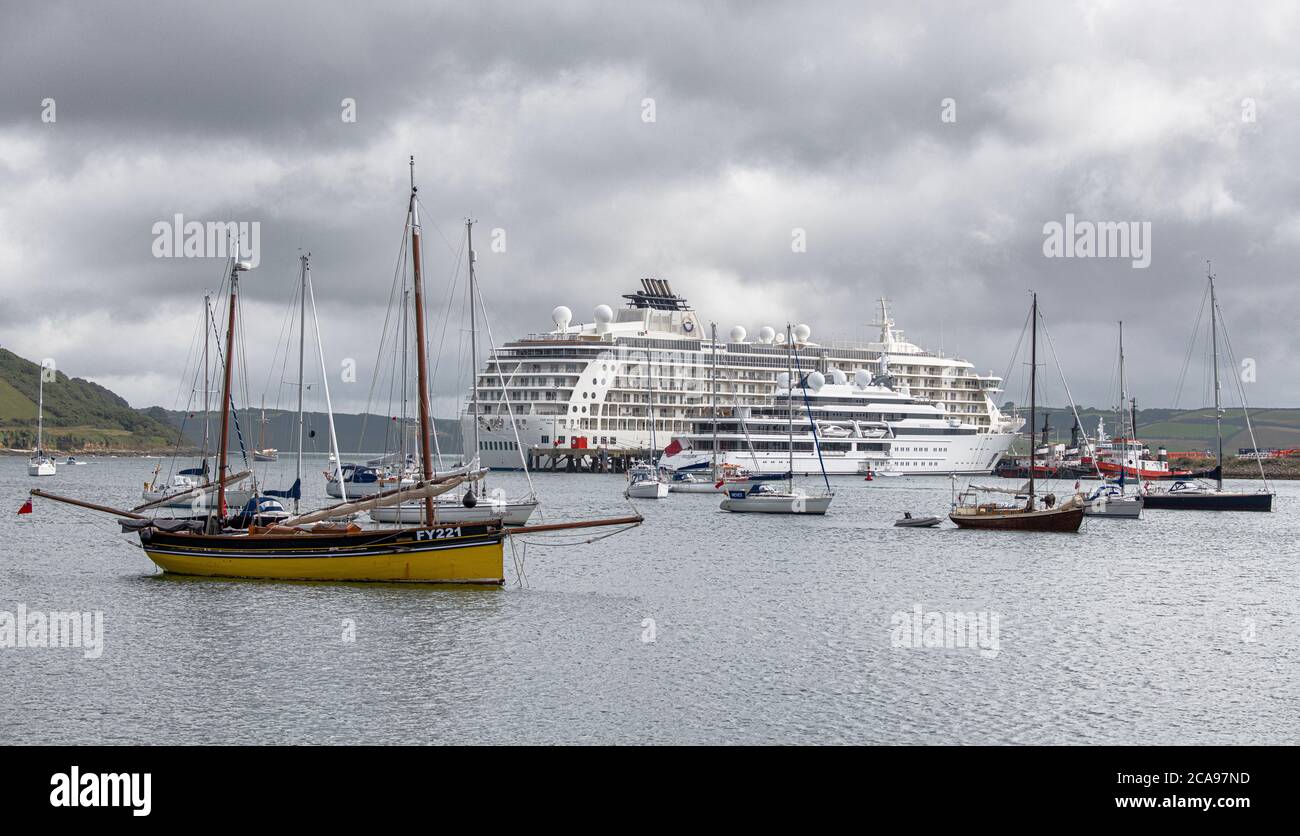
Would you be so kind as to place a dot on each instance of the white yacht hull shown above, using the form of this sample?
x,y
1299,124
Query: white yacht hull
x,y
197,500
647,490
1129,507
514,512
42,467
693,487
778,504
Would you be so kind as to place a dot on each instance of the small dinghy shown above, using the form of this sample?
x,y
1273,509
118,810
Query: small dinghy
x,y
909,521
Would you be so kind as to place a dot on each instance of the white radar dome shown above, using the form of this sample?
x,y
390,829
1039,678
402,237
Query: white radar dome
x,y
838,377
862,377
815,381
738,334
766,334
562,316
783,380
604,314
780,338
802,333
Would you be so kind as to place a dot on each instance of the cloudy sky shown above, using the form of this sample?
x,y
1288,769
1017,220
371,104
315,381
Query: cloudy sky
x,y
767,118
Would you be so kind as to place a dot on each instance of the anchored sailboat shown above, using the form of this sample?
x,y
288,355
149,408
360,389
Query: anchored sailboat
x,y
762,497
1109,498
1036,513
692,481
643,479
1197,494
325,544
41,464
264,453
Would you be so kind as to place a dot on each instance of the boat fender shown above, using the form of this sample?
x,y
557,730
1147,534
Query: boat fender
x,y
469,500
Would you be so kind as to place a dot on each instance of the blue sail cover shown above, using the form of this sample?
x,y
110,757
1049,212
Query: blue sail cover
x,y
293,493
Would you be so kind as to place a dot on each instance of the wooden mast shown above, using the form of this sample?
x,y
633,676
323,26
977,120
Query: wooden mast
x,y
421,361
235,270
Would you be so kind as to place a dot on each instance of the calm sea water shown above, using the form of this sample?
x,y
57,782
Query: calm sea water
x,y
1180,628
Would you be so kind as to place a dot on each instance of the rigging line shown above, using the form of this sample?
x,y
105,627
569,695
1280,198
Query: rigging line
x,y
1060,371
505,391
279,340
398,284
1191,348
452,295
1015,352
1241,392
812,424
436,228
578,542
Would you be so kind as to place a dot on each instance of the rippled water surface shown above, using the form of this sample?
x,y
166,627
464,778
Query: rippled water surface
x,y
1180,628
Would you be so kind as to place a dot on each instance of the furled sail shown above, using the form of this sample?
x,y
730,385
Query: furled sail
x,y
1023,489
420,490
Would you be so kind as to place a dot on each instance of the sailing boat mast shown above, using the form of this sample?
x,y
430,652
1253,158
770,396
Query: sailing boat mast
x,y
650,406
1033,398
236,268
473,342
325,386
302,335
40,411
422,363
207,397
1214,342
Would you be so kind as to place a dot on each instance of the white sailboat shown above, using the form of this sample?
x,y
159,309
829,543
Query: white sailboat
x,y
264,453
40,464
1109,498
643,479
691,481
764,498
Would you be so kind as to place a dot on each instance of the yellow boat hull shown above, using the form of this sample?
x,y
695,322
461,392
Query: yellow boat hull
x,y
478,557
475,564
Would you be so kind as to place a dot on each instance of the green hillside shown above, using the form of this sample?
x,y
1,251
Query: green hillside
x,y
79,415
1188,430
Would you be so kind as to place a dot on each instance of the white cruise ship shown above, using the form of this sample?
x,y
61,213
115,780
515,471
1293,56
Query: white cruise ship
x,y
597,385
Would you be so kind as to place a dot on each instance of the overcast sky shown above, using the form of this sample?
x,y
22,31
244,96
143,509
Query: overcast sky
x,y
768,118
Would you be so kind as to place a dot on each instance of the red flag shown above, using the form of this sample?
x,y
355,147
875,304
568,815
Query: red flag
x,y
27,507
674,447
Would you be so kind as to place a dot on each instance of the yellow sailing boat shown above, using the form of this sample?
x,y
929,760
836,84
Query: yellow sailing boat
x,y
325,545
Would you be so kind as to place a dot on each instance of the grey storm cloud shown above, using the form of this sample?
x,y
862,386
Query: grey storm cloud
x,y
769,117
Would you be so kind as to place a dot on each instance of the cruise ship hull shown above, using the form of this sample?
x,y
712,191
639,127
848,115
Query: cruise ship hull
x,y
975,454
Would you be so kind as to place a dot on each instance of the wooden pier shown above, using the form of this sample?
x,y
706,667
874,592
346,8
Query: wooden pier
x,y
585,459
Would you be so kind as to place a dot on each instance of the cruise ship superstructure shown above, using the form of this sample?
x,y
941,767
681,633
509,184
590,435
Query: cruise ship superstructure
x,y
886,405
